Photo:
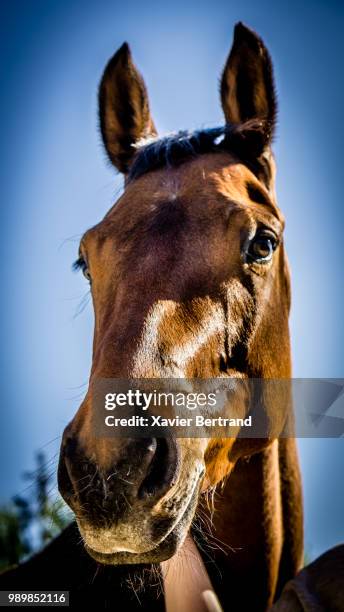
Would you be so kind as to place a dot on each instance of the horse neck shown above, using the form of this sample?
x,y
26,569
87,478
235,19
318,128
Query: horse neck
x,y
246,531
247,521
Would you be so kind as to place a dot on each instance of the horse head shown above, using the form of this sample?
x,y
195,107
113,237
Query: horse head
x,y
189,279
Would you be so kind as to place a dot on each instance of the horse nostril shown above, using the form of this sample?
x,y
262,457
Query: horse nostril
x,y
69,456
70,445
152,446
64,480
144,470
162,469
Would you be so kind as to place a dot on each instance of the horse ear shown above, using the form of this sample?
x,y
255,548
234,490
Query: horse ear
x,y
123,109
247,84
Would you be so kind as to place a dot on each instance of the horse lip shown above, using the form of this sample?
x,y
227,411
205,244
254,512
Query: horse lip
x,y
115,550
102,544
161,552
109,557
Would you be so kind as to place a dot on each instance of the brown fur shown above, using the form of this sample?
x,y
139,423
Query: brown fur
x,y
318,588
175,296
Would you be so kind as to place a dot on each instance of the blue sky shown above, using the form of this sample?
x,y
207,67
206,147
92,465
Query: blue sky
x,y
56,183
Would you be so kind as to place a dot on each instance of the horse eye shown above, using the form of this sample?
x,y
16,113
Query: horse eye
x,y
261,248
80,264
86,273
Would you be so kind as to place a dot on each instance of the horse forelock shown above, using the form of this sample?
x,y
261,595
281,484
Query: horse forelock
x,y
246,140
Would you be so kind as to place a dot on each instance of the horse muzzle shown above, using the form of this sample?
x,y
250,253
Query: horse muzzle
x,y
119,491
142,471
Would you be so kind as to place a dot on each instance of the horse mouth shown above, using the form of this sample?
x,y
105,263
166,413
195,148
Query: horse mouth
x,y
163,551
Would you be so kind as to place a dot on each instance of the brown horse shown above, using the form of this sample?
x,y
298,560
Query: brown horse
x,y
189,279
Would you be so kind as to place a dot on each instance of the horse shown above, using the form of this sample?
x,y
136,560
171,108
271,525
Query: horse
x,y
189,279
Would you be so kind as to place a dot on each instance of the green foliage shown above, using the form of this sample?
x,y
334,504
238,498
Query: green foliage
x,y
13,542
29,521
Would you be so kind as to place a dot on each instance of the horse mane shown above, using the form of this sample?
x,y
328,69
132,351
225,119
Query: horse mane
x,y
246,140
